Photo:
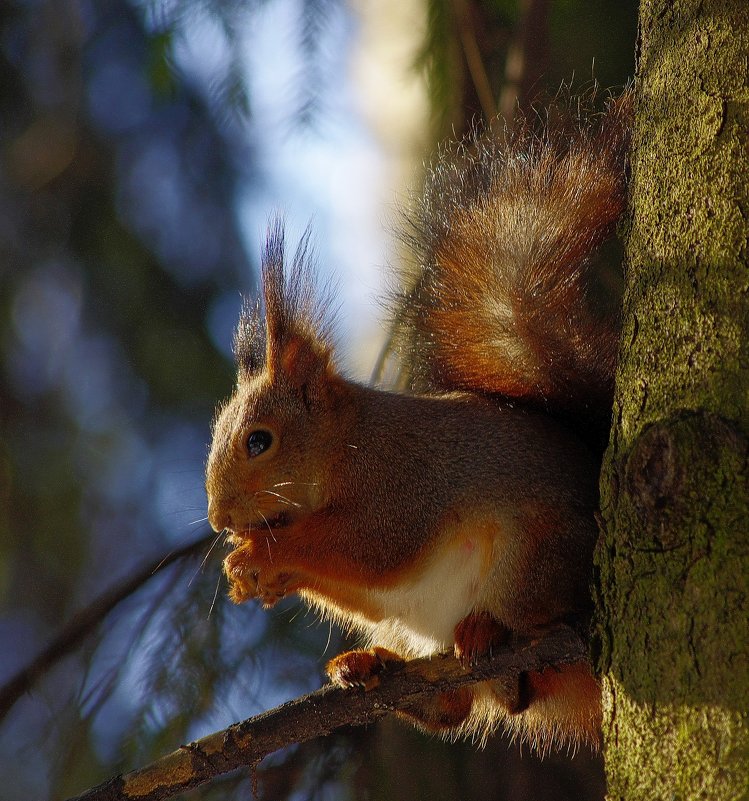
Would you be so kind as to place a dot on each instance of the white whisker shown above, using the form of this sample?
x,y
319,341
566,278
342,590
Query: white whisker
x,y
280,497
265,520
205,558
215,597
330,637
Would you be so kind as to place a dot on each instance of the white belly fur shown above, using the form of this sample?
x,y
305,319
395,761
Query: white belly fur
x,y
420,615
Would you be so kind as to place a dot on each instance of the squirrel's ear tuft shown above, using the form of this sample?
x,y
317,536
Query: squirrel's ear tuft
x,y
249,339
298,318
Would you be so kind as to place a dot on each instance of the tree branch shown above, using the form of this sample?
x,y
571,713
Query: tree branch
x,y
85,621
246,743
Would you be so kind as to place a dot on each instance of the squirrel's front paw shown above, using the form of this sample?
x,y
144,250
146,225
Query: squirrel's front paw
x,y
360,668
272,586
239,568
250,579
476,635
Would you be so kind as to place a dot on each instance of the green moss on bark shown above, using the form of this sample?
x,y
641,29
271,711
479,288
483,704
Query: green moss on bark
x,y
674,741
674,555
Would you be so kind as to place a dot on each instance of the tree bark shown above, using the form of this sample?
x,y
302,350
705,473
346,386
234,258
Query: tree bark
x,y
674,553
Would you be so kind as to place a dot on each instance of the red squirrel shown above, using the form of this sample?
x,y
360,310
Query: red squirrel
x,y
463,512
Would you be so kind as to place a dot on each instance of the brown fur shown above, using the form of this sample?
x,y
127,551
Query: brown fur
x,y
374,505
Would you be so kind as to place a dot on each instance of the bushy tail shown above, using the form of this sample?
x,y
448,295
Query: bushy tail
x,y
514,244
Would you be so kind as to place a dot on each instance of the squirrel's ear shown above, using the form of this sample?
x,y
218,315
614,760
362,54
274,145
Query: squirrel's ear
x,y
303,362
297,318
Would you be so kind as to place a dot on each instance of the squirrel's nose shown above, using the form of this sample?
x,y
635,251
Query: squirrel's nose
x,y
217,517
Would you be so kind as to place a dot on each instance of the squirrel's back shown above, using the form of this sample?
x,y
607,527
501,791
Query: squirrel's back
x,y
516,285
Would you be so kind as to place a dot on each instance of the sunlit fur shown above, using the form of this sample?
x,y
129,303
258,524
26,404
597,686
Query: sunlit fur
x,y
507,238
404,516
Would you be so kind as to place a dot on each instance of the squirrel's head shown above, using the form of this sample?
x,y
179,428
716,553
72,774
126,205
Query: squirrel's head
x,y
274,440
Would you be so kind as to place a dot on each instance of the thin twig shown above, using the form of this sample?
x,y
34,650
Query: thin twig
x,y
474,60
85,621
527,60
245,744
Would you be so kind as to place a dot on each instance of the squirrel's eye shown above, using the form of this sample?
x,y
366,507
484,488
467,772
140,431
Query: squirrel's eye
x,y
259,441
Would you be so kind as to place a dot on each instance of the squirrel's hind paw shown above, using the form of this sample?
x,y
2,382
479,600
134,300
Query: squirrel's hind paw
x,y
477,635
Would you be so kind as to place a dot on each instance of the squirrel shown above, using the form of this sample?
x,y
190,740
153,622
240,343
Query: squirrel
x,y
464,511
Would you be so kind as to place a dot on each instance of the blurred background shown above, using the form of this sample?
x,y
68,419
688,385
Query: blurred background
x,y
144,145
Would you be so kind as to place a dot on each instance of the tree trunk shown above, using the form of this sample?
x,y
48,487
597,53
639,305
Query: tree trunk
x,y
674,554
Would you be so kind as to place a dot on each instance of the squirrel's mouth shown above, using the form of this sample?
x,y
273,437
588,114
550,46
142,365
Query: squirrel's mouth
x,y
278,520
265,523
